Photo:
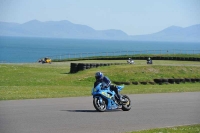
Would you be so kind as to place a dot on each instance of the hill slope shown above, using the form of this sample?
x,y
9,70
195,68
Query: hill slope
x,y
173,33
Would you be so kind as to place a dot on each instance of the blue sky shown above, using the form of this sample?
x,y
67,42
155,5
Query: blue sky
x,y
134,17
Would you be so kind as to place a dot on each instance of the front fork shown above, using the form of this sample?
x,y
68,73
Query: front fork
x,y
100,100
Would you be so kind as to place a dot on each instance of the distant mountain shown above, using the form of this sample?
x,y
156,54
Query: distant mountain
x,y
58,29
66,29
173,33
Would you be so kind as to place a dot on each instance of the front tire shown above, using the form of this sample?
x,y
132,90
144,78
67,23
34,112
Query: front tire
x,y
126,106
99,106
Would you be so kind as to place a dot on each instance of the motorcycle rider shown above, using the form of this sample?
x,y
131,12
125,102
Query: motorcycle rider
x,y
130,61
149,60
100,78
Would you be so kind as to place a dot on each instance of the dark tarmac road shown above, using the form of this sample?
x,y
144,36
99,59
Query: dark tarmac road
x,y
77,114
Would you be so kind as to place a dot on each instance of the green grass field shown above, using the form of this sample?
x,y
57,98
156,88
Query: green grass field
x,y
29,81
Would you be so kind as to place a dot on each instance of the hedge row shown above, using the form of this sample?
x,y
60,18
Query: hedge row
x,y
153,58
162,81
75,67
176,58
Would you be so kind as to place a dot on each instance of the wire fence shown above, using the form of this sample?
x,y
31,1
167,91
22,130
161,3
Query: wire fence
x,y
122,53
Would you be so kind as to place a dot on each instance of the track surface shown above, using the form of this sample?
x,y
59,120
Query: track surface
x,y
77,115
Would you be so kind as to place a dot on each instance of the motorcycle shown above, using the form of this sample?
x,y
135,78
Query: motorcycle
x,y
149,62
106,99
130,61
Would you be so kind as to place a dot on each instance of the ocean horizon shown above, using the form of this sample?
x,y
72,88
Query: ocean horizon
x,y
31,49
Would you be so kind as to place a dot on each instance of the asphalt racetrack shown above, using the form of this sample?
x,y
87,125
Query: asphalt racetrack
x,y
77,114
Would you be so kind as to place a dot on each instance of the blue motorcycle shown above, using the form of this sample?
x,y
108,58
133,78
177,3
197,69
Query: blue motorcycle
x,y
106,99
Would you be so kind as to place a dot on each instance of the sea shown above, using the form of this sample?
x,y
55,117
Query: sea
x,y
31,49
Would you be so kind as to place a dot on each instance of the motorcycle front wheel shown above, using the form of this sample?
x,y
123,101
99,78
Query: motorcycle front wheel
x,y
99,105
126,106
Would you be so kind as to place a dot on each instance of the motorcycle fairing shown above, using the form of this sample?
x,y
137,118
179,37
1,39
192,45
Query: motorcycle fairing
x,y
107,94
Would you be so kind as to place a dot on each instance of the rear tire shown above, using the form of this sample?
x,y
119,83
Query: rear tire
x,y
101,107
126,106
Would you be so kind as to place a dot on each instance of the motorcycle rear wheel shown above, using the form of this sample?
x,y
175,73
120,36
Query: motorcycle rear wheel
x,y
127,105
101,107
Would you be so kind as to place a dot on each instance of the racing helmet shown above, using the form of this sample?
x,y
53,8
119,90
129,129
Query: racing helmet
x,y
98,75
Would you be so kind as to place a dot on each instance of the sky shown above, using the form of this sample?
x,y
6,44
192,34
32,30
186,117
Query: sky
x,y
134,17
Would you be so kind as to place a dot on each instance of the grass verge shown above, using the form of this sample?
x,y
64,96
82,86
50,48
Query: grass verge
x,y
29,81
178,129
35,92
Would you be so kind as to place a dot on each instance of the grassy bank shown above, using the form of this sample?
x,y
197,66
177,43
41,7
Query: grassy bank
x,y
179,129
135,56
25,81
